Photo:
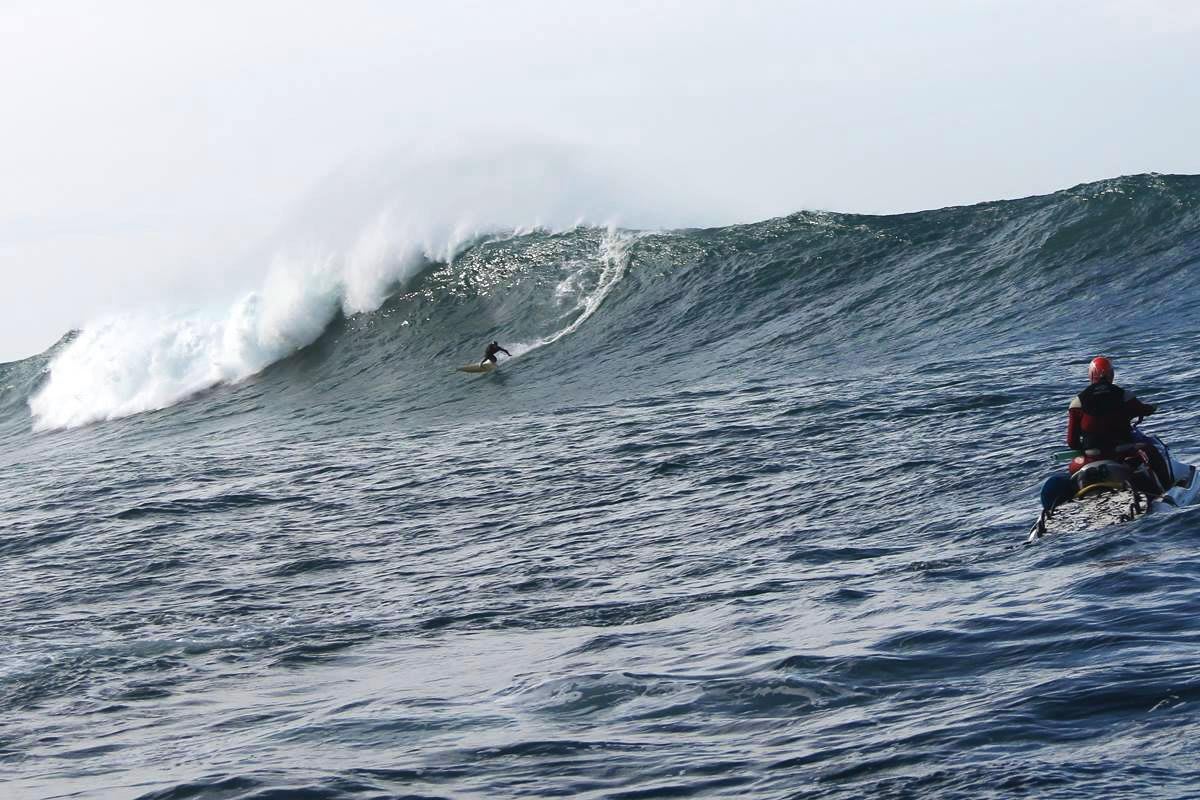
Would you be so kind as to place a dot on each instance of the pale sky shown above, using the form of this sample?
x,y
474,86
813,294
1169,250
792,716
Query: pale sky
x,y
156,153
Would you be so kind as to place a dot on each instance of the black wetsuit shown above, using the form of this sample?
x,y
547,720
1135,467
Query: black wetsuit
x,y
490,353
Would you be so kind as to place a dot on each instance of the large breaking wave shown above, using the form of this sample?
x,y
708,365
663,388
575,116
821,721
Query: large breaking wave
x,y
820,289
352,245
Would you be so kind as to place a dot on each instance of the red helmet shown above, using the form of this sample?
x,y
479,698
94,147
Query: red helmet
x,y
1100,370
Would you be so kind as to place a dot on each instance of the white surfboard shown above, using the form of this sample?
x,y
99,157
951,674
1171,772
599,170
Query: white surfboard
x,y
486,367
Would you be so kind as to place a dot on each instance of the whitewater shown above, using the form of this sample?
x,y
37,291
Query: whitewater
x,y
744,516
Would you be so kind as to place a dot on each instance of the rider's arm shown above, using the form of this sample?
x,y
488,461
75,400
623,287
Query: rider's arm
x,y
1136,408
1074,427
502,350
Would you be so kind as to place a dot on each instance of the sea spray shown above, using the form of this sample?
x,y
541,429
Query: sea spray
x,y
132,363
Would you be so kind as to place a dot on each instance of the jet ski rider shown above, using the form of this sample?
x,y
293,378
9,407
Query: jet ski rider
x,y
1099,416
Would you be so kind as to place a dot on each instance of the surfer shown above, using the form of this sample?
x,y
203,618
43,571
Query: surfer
x,y
489,355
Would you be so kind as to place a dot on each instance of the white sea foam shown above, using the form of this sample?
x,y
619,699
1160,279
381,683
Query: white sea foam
x,y
614,258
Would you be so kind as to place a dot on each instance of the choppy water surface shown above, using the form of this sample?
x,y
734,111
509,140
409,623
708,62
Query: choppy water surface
x,y
744,518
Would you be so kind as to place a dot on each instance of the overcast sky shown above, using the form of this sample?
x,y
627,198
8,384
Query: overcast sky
x,y
154,153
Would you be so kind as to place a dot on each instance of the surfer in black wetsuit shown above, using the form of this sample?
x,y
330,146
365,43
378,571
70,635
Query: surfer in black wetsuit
x,y
490,353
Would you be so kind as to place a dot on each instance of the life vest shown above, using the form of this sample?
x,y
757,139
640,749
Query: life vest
x,y
1105,421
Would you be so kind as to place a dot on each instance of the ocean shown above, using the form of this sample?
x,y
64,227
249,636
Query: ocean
x,y
744,516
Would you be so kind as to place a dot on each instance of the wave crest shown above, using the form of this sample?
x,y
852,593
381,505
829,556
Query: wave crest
x,y
133,363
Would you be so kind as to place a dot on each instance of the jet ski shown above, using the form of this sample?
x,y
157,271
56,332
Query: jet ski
x,y
1105,488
